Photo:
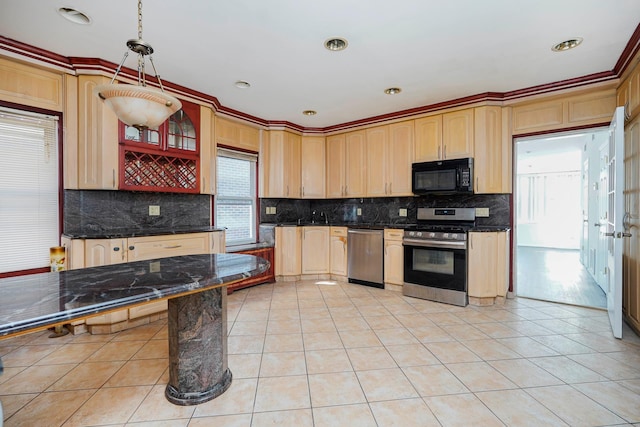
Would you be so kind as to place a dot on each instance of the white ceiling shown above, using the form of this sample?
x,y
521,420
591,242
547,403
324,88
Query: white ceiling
x,y
434,51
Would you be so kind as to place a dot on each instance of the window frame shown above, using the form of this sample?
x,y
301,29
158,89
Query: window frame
x,y
26,109
241,154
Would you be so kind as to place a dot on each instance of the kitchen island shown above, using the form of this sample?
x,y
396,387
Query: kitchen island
x,y
194,286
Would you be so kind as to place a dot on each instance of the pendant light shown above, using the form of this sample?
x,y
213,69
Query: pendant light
x,y
138,105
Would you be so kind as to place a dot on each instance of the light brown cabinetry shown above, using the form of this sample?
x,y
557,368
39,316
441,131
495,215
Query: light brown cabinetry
x,y
315,250
628,94
444,136
280,166
313,165
338,252
393,259
208,151
389,157
346,159
288,247
492,151
97,252
488,267
98,163
234,134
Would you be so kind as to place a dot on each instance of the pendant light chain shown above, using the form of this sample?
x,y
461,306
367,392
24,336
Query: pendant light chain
x,y
140,19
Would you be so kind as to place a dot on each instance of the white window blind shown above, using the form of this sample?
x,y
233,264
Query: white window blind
x,y
236,196
28,189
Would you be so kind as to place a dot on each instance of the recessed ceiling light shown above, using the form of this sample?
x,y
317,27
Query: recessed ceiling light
x,y
309,112
74,16
241,84
567,44
336,43
392,90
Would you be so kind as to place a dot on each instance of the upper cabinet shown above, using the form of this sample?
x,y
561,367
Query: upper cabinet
x,y
237,135
313,166
164,159
280,166
492,150
389,157
346,159
208,151
444,136
628,94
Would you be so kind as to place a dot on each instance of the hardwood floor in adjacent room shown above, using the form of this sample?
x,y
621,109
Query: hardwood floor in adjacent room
x,y
556,275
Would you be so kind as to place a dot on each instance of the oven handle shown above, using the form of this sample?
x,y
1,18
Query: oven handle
x,y
435,244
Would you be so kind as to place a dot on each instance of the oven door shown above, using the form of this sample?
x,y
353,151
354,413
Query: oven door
x,y
438,264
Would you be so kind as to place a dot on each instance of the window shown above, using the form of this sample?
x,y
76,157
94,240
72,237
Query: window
x,y
29,192
236,196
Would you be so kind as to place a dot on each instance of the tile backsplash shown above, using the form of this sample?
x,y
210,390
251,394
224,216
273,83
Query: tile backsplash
x,y
94,211
383,210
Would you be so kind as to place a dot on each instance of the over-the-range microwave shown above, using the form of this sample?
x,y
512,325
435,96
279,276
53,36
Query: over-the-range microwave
x,y
443,177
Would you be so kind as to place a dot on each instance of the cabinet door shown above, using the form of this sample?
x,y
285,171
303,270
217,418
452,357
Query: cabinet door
x,y
377,145
457,134
226,132
288,251
272,165
292,166
394,263
217,242
97,138
151,247
315,250
207,152
492,152
428,138
355,153
336,166
488,249
105,252
400,158
338,251
312,168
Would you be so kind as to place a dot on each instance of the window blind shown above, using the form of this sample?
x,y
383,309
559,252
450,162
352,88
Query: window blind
x,y
28,189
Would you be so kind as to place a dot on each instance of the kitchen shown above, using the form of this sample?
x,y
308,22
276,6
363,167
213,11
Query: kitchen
x,y
380,201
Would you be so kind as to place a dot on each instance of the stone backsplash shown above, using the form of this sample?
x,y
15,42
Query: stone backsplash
x,y
96,211
383,210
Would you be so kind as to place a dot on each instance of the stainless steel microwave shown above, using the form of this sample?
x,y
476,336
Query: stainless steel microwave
x,y
443,177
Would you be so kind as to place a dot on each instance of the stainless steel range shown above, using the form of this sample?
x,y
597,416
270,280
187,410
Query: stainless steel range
x,y
435,255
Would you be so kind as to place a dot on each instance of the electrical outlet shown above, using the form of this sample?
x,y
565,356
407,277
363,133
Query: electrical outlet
x,y
482,212
273,210
402,212
154,210
359,211
154,267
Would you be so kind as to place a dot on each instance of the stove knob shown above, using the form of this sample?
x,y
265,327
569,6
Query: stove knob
x,y
454,236
445,235
412,233
432,235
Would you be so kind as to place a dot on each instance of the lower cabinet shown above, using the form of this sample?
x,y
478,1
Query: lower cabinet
x,y
266,277
315,250
393,259
338,252
488,267
96,252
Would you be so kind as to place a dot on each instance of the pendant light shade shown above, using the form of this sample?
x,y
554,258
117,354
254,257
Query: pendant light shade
x,y
138,105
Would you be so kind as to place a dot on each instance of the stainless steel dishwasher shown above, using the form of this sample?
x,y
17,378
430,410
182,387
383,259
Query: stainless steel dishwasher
x,y
365,257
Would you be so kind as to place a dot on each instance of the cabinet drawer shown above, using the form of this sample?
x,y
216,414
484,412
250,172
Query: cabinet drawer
x,y
393,234
143,248
338,231
147,309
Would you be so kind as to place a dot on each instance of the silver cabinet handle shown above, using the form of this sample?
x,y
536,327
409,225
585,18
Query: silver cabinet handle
x,y
444,155
113,174
439,151
173,247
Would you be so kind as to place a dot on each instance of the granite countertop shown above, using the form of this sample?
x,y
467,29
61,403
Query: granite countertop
x,y
249,246
375,226
137,232
490,228
37,301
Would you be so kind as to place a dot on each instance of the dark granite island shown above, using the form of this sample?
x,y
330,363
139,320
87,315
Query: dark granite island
x,y
197,319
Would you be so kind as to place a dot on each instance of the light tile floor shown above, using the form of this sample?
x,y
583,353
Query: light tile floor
x,y
337,354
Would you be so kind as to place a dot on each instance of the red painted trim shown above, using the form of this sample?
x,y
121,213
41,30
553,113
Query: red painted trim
x,y
96,64
25,272
628,53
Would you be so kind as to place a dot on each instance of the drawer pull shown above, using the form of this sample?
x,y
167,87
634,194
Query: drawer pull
x,y
131,247
173,247
116,249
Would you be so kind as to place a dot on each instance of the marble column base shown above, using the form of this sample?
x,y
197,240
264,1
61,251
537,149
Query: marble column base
x,y
198,370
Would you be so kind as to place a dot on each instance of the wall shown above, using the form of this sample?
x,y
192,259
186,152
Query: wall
x,y
92,211
383,211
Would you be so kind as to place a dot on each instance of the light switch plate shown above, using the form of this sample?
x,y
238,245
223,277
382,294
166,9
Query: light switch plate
x,y
273,210
359,211
402,212
482,212
154,210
